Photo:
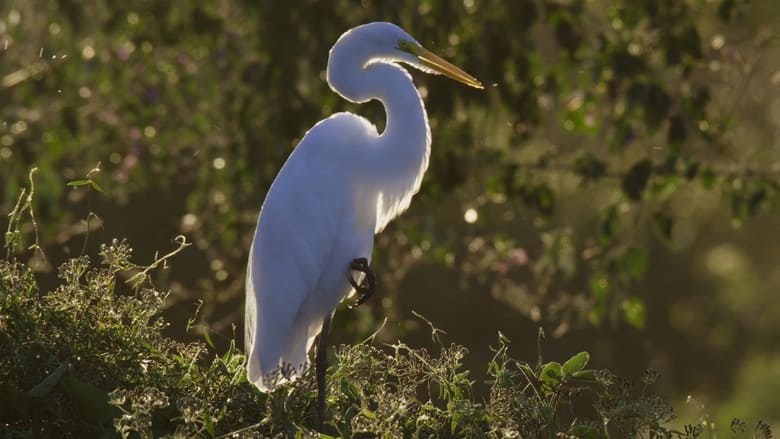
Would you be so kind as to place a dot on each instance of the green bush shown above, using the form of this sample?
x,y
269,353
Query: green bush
x,y
89,359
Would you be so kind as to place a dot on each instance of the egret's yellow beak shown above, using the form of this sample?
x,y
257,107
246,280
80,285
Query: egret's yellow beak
x,y
435,62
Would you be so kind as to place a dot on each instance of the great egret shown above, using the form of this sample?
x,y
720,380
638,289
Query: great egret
x,y
342,184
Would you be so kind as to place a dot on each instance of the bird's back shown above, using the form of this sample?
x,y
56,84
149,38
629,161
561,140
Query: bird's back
x,y
314,221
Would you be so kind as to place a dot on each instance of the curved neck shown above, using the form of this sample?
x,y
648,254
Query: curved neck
x,y
359,74
394,166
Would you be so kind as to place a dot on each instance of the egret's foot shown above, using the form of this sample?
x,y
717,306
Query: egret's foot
x,y
367,287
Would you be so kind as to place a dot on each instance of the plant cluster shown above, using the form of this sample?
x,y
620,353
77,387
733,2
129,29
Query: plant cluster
x,y
90,359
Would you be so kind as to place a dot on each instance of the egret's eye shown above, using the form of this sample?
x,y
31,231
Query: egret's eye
x,y
405,46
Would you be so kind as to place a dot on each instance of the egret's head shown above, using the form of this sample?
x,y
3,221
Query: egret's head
x,y
391,42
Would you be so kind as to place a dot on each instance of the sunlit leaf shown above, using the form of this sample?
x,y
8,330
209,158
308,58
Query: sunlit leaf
x,y
552,374
77,183
575,363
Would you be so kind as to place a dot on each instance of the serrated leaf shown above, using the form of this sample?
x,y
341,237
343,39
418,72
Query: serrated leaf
x,y
575,363
44,387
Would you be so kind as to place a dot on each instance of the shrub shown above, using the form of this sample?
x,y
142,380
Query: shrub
x,y
88,359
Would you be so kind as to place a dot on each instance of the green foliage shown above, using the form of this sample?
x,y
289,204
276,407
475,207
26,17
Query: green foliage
x,y
207,101
87,359
606,128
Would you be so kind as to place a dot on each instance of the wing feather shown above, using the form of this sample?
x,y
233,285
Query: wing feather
x,y
307,225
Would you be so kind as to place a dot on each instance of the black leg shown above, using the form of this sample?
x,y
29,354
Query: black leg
x,y
368,286
322,365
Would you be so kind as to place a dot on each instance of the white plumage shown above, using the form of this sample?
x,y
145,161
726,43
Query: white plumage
x,y
342,183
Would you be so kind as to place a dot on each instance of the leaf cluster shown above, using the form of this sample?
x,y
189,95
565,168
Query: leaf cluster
x,y
88,359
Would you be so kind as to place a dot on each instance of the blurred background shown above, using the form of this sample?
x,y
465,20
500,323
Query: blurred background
x,y
616,184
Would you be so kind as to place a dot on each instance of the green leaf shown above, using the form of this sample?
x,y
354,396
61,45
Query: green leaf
x,y
90,182
207,337
76,183
457,415
634,312
575,363
209,424
585,375
44,387
95,186
552,374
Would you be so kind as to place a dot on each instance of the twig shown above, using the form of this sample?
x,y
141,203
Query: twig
x,y
434,330
137,278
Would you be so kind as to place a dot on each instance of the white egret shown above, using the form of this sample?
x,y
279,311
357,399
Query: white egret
x,y
342,184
